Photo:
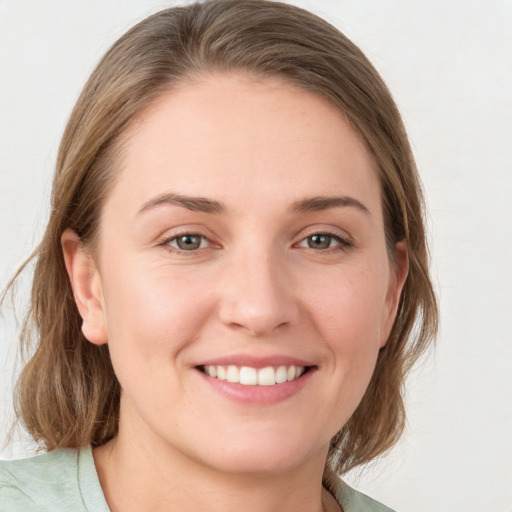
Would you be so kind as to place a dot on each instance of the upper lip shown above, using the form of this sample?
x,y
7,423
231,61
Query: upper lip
x,y
255,361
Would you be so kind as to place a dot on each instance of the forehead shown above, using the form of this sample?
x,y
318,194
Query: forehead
x,y
235,137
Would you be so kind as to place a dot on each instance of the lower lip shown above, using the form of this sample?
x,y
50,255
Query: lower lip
x,y
258,395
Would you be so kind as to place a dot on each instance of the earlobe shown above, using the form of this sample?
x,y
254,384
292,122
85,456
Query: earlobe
x,y
86,285
399,272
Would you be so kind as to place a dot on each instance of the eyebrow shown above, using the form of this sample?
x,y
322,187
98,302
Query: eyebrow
x,y
316,204
202,204
195,204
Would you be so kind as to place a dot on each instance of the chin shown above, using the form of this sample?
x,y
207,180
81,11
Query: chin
x,y
262,465
262,456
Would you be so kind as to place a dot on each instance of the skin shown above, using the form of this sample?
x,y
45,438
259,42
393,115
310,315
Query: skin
x,y
255,287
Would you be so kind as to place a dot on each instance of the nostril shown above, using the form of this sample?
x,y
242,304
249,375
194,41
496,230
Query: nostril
x,y
258,320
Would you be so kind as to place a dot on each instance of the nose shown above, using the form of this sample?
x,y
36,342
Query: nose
x,y
257,295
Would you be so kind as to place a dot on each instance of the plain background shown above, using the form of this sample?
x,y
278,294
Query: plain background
x,y
448,63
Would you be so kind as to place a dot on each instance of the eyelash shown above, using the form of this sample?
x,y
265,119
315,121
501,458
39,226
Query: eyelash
x,y
176,250
342,243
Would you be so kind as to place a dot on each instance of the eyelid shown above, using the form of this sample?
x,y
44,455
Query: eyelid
x,y
322,229
344,239
202,240
170,235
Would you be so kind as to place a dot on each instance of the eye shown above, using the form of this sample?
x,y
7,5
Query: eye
x,y
319,241
324,241
188,242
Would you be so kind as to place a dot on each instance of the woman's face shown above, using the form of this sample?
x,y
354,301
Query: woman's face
x,y
243,240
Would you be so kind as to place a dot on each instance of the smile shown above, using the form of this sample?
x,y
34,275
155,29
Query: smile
x,y
249,376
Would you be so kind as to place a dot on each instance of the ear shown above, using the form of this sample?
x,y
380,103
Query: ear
x,y
398,275
87,288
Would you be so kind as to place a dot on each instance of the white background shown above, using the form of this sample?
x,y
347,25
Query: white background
x,y
448,63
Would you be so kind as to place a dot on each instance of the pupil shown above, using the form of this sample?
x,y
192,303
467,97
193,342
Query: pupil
x,y
189,242
319,241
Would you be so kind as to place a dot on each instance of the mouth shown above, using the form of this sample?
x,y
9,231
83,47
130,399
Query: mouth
x,y
250,376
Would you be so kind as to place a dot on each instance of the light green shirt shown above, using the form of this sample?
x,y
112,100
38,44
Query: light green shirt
x,y
66,481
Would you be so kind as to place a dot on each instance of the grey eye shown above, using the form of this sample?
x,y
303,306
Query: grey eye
x,y
188,242
319,241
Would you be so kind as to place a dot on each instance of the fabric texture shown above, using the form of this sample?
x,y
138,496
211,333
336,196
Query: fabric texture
x,y
58,481
66,480
350,499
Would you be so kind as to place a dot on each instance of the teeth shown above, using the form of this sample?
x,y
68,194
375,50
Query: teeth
x,y
221,372
233,374
281,375
248,376
268,376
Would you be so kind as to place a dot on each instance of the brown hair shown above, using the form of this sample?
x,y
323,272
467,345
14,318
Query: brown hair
x,y
67,394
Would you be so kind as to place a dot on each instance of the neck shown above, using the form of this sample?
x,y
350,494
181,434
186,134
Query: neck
x,y
138,474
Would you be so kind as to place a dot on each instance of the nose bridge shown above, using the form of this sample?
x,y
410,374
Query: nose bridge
x,y
257,294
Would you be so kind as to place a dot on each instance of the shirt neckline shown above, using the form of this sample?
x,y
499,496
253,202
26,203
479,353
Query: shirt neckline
x,y
89,483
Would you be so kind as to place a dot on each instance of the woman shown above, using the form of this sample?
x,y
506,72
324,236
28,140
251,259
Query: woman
x,y
233,282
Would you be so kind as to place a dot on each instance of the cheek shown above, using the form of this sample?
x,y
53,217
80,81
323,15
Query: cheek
x,y
349,305
348,315
152,313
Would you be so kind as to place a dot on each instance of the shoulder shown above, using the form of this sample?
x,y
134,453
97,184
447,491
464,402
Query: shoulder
x,y
350,499
49,482
355,501
40,482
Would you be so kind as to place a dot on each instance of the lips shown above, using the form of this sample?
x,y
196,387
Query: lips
x,y
252,376
256,380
